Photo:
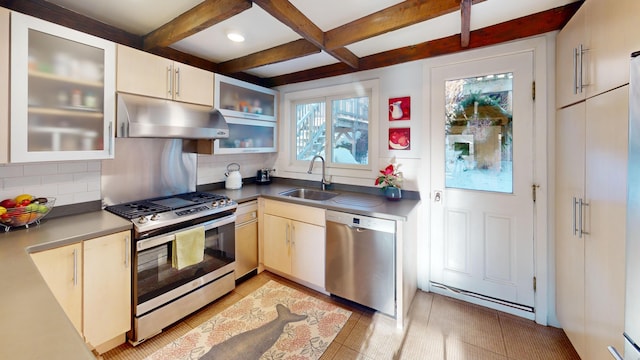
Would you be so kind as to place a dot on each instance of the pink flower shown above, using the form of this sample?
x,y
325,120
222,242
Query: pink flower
x,y
389,177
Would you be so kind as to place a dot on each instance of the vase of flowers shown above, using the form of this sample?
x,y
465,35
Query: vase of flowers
x,y
390,179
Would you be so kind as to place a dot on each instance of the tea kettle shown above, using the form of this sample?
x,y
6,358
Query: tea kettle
x,y
234,179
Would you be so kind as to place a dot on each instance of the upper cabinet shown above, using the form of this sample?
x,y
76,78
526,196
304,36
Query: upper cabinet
x,y
593,50
142,73
62,93
251,113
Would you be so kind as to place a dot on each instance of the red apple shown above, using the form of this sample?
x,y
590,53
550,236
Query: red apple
x,y
8,203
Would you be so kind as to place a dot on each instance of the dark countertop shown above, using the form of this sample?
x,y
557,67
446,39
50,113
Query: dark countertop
x,y
32,324
359,203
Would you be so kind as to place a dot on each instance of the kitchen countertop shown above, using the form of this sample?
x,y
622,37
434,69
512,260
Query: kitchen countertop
x,y
32,324
347,201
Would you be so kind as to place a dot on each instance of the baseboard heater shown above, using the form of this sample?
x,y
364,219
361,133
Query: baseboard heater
x,y
483,297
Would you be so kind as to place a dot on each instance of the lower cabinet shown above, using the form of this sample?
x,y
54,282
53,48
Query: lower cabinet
x,y
107,288
61,268
92,283
246,238
294,243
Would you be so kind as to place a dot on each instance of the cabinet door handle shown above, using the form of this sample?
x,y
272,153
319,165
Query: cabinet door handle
x,y
614,353
293,235
127,249
75,267
286,235
573,216
177,91
575,71
581,205
169,80
111,136
580,81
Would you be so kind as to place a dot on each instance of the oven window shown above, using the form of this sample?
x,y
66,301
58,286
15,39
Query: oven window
x,y
156,275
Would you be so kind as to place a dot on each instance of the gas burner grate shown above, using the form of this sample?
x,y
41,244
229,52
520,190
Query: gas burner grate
x,y
200,197
136,209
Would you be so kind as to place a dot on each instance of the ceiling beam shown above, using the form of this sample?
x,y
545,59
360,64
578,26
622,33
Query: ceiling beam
x,y
465,28
523,27
200,17
48,11
289,15
395,17
289,51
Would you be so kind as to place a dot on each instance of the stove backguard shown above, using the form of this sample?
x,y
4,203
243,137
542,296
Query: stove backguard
x,y
147,168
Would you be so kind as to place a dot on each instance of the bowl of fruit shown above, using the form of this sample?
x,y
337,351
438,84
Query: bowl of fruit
x,y
24,210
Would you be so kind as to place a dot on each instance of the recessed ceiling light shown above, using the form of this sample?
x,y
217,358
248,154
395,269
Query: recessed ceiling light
x,y
235,37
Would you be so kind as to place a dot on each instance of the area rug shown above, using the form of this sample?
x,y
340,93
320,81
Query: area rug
x,y
273,322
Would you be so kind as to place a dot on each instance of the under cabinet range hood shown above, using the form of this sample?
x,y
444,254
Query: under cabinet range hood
x,y
147,117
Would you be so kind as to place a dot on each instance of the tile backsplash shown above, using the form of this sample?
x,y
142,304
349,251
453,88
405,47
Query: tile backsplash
x,y
74,182
69,182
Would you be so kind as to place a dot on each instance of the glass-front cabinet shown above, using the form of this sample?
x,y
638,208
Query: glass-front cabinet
x,y
251,113
62,93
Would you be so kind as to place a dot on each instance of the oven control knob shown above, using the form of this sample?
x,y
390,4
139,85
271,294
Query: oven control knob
x,y
154,217
223,202
214,204
142,220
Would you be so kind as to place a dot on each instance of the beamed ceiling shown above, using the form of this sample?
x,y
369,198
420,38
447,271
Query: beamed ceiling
x,y
295,48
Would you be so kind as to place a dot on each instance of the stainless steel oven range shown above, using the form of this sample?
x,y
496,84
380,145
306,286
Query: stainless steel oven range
x,y
162,294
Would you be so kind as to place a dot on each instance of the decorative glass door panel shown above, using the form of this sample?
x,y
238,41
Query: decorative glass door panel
x,y
63,88
478,133
65,83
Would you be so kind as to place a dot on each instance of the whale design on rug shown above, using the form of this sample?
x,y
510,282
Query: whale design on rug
x,y
253,343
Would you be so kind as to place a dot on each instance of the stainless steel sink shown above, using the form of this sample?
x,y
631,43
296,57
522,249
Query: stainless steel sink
x,y
309,194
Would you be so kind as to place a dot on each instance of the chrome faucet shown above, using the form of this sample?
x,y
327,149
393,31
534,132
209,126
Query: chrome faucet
x,y
324,181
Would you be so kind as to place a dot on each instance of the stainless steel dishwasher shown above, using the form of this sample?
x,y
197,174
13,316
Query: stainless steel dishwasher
x,y
360,260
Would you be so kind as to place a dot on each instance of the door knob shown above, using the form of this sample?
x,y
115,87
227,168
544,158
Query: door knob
x,y
437,197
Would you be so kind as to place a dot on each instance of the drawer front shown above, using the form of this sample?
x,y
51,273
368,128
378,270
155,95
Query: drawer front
x,y
307,214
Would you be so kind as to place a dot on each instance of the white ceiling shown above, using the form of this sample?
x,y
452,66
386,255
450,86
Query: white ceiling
x,y
262,31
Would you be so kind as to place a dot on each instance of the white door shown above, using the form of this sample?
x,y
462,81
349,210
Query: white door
x,y
482,177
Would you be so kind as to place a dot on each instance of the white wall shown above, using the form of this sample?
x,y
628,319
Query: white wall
x,y
394,81
211,168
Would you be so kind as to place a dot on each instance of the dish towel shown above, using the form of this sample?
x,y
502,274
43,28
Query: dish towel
x,y
188,248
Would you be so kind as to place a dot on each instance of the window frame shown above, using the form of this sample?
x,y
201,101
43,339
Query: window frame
x,y
368,88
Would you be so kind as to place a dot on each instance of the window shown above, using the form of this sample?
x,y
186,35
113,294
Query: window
x,y
334,122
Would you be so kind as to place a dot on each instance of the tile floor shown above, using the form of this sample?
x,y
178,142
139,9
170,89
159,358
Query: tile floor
x,y
439,328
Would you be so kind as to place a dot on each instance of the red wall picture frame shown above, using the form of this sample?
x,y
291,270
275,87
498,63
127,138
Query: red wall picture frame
x,y
400,108
400,138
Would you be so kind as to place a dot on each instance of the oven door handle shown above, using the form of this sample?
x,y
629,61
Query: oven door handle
x,y
163,239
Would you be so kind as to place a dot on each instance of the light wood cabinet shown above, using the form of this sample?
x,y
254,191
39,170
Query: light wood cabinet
x,y
61,269
246,238
142,73
591,162
92,283
62,93
593,50
107,287
294,243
